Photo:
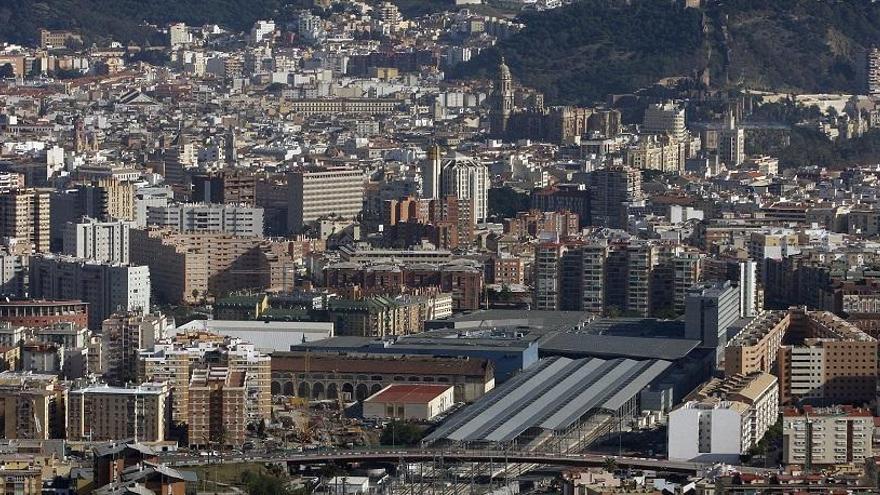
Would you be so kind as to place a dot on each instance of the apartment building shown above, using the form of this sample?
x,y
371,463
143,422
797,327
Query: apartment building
x,y
234,219
39,313
873,73
612,189
724,418
665,118
822,437
663,153
105,287
123,334
575,198
687,271
174,359
462,278
189,267
819,357
547,286
467,179
57,38
827,360
707,431
217,407
226,186
641,261
25,218
593,269
317,192
13,272
106,198
731,143
32,406
756,346
505,270
107,242
101,412
710,310
598,276
337,106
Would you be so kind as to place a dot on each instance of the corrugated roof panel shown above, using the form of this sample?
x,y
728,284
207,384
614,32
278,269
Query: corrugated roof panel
x,y
559,393
589,398
497,394
513,400
636,385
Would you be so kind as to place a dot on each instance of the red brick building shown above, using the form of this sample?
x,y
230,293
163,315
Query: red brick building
x,y
40,313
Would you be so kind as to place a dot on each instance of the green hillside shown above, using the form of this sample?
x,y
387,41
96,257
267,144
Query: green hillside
x,y
580,53
21,19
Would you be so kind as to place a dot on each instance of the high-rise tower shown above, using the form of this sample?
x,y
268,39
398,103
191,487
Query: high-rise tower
x,y
431,173
503,105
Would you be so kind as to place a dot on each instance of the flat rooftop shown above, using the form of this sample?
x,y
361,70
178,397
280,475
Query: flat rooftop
x,y
581,344
537,321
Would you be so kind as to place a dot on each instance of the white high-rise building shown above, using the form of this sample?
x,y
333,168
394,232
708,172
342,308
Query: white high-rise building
x,y
666,118
466,178
100,241
724,418
731,143
262,31
235,219
147,197
389,14
748,289
178,35
874,71
13,273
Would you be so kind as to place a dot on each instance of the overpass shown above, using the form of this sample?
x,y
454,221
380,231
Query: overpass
x,y
416,455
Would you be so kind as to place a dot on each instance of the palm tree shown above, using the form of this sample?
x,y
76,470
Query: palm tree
x,y
609,464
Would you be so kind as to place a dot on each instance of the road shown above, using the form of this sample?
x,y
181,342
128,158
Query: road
x,y
414,455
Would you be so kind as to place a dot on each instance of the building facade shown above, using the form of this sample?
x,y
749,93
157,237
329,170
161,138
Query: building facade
x,y
106,242
322,192
217,407
105,287
233,219
25,217
103,413
832,436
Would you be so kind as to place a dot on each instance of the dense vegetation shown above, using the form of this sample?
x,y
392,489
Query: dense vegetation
x,y
399,433
269,483
580,53
20,20
584,51
805,45
810,147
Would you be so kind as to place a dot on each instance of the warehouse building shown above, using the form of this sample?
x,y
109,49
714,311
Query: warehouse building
x,y
510,349
409,402
351,376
